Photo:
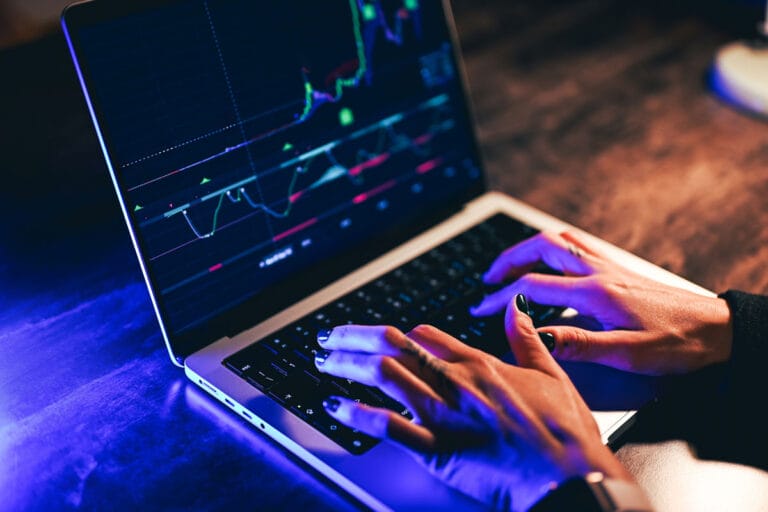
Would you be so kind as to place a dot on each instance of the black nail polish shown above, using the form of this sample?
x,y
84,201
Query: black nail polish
x,y
323,335
548,340
331,404
321,356
522,304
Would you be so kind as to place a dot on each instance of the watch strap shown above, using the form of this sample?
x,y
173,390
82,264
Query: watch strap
x,y
594,493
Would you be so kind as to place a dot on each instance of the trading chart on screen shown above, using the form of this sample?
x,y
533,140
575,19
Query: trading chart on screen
x,y
251,143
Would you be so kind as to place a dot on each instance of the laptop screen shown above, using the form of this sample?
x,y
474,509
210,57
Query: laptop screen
x,y
259,147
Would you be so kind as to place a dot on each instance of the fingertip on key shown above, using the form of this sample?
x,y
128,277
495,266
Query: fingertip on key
x,y
321,356
331,404
479,309
490,278
323,335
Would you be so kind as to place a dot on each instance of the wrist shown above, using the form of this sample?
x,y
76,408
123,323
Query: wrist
x,y
594,456
594,492
717,335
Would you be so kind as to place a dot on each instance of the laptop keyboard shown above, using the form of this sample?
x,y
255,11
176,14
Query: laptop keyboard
x,y
437,287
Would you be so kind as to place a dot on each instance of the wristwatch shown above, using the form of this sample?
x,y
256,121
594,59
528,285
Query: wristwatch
x,y
594,493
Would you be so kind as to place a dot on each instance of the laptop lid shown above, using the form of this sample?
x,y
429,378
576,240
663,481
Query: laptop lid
x,y
262,150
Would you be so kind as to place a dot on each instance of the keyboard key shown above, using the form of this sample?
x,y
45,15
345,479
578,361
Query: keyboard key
x,y
436,287
264,375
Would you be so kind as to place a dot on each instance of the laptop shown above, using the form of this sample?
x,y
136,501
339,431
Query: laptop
x,y
286,167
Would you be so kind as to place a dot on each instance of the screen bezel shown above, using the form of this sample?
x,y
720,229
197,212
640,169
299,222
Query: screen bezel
x,y
230,322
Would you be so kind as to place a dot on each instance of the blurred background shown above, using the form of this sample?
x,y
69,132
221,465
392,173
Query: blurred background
x,y
26,20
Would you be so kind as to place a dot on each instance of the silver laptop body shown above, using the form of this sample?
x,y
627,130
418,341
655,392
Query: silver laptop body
x,y
184,98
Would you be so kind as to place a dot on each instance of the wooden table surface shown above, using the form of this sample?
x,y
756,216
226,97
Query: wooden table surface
x,y
596,111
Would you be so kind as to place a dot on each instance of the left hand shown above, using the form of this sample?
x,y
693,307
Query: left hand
x,y
643,326
497,432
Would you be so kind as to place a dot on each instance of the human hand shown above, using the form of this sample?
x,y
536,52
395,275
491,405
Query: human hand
x,y
648,327
497,432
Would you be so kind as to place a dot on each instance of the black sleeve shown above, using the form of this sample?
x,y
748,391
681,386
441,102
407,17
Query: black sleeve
x,y
746,373
719,409
734,416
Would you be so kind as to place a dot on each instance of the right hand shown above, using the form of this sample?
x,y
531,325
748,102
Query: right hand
x,y
647,327
497,432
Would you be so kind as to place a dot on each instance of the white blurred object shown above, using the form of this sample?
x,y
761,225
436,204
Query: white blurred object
x,y
740,72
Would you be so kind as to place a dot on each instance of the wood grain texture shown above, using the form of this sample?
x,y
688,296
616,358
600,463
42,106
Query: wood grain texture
x,y
599,112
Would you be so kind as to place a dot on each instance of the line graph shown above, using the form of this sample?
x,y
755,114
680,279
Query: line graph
x,y
436,102
258,142
424,168
367,19
365,161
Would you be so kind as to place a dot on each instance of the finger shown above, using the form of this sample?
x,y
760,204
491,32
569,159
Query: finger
x,y
527,347
380,423
632,351
386,373
540,288
385,341
439,343
548,248
374,339
579,241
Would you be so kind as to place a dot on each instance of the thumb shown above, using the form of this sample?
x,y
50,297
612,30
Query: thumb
x,y
526,345
619,349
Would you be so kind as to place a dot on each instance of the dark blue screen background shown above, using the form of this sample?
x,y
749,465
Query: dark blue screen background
x,y
252,143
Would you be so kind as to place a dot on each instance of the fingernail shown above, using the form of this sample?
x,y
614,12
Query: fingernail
x,y
331,404
323,335
475,307
321,357
548,340
522,304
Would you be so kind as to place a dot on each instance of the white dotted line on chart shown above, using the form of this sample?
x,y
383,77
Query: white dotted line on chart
x,y
181,145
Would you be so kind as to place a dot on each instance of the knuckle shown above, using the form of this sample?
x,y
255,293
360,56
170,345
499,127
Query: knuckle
x,y
601,288
358,414
386,425
485,368
340,332
615,288
578,345
527,329
608,291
